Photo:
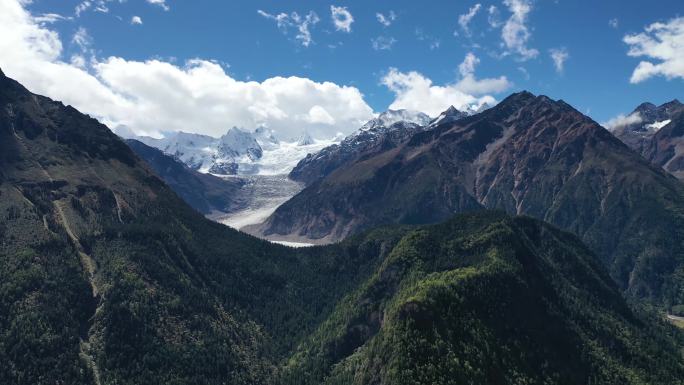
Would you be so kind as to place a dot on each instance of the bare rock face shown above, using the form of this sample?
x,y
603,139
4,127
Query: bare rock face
x,y
528,155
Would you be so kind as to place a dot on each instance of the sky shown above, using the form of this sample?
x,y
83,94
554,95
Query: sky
x,y
323,67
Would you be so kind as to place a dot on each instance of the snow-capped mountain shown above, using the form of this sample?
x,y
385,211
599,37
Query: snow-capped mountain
x,y
638,130
451,114
390,117
305,139
266,138
386,130
208,154
657,133
238,152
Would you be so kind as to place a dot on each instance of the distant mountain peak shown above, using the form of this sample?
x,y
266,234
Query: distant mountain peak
x,y
451,114
390,117
647,106
451,110
305,139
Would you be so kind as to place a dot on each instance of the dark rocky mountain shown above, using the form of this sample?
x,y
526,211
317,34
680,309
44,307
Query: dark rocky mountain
x,y
657,134
386,131
528,155
206,193
110,278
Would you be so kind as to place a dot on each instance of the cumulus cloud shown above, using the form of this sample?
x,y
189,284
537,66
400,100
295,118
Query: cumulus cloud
x,y
286,21
559,56
386,20
381,43
415,91
663,44
622,121
153,96
161,3
515,33
464,19
342,18
136,20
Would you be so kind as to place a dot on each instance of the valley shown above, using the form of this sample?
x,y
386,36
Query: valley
x,y
262,195
341,193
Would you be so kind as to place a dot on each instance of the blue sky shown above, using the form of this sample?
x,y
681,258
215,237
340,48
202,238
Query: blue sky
x,y
426,37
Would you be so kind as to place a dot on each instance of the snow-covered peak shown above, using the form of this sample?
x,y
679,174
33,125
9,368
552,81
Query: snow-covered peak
x,y
483,107
305,139
266,138
451,114
390,117
236,143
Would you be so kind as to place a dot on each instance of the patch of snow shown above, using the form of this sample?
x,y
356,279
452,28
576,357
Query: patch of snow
x,y
658,125
293,244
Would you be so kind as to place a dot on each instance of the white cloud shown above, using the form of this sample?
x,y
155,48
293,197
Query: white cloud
x,y
663,44
386,20
318,114
559,56
153,96
82,39
285,21
494,17
383,43
622,121
342,18
464,19
614,23
515,33
95,5
161,3
136,20
471,85
50,18
82,7
414,91
467,67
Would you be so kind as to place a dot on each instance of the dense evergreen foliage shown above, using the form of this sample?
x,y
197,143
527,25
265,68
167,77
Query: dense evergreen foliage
x,y
487,299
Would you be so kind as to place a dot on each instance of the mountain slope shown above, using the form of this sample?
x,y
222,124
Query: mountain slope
x,y
206,193
484,299
528,155
108,277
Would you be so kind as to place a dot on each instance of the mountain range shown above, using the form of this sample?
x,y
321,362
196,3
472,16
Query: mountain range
x,y
109,277
237,152
529,155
